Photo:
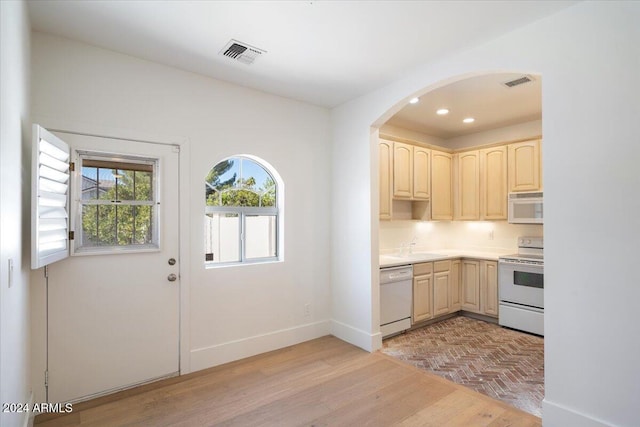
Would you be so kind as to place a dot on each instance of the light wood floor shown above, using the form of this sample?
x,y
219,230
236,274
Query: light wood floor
x,y
324,382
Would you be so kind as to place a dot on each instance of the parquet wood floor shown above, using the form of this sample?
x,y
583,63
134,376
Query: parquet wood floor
x,y
502,363
323,382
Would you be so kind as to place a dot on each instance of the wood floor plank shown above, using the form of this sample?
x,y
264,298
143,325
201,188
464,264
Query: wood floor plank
x,y
320,382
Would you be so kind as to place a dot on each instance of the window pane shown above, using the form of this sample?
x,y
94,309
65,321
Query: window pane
x,y
143,231
240,182
260,236
143,189
98,225
222,237
89,183
106,184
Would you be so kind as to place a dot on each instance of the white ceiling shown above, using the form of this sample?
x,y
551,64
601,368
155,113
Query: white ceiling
x,y
321,52
485,98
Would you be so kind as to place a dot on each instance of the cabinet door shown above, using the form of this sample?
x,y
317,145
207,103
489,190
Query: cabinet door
x,y
385,151
441,200
454,287
422,297
441,289
493,185
489,288
421,173
402,170
471,286
524,166
468,203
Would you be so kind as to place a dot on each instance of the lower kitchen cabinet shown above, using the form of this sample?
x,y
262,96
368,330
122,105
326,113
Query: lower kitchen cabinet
x,y
454,287
489,288
480,287
422,292
445,287
441,287
471,285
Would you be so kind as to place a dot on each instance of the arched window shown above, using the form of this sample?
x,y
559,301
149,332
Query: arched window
x,y
241,212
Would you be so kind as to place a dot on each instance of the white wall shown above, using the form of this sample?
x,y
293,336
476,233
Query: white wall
x,y
588,57
233,312
14,209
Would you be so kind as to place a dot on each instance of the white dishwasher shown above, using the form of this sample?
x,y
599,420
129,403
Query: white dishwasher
x,y
396,290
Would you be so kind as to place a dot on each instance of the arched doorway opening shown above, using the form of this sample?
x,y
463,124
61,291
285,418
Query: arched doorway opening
x,y
446,169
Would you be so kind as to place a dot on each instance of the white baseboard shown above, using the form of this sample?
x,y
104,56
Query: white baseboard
x,y
555,415
219,354
355,336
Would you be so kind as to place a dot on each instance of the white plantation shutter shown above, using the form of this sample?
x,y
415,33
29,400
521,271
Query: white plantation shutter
x,y
49,198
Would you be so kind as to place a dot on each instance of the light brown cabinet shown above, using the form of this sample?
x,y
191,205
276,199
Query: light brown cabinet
x,y
421,173
489,288
524,166
441,185
471,285
411,172
480,287
385,156
481,184
454,283
467,185
493,183
402,170
441,287
422,292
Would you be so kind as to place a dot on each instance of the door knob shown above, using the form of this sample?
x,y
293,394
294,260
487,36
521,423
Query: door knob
x,y
172,277
172,261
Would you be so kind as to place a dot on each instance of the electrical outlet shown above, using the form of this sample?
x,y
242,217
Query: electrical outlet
x,y
307,310
491,235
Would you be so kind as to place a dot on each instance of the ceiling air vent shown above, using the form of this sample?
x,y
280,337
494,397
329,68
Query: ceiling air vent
x,y
518,81
241,52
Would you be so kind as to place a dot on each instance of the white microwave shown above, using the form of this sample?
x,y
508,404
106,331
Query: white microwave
x,y
525,208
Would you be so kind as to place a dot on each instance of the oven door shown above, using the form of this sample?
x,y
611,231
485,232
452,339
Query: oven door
x,y
521,283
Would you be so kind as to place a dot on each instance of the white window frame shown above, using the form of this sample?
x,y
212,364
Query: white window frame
x,y
244,211
77,203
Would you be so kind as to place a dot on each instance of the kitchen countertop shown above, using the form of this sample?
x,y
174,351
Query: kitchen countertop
x,y
393,260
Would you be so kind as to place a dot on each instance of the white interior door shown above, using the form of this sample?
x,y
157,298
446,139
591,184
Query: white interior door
x,y
113,314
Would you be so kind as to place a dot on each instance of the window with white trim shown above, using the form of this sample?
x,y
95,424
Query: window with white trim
x,y
117,204
242,212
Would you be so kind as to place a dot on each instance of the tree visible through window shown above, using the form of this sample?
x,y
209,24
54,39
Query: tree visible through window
x,y
117,204
241,213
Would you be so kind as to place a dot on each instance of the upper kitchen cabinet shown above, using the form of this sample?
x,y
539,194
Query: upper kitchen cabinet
x,y
421,173
493,183
524,166
467,174
385,155
441,185
402,170
410,172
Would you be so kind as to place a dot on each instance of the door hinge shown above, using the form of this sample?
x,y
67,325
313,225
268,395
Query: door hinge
x,y
46,379
71,235
72,167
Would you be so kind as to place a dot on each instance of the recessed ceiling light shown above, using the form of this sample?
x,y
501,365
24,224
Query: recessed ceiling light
x,y
442,112
414,100
469,120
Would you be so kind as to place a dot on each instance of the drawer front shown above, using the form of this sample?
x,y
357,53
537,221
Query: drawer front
x,y
422,268
440,266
